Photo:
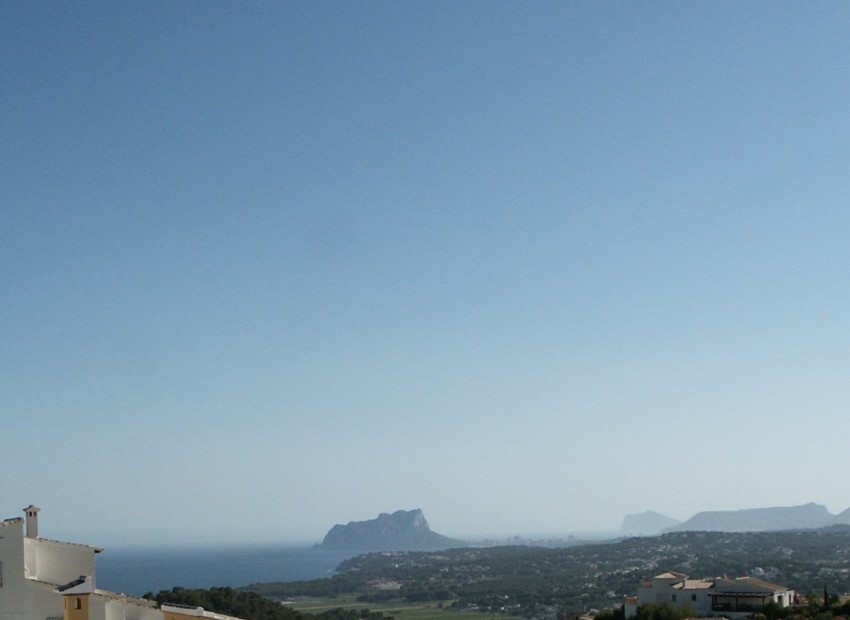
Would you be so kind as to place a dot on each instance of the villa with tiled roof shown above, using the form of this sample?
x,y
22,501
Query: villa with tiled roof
x,y
719,596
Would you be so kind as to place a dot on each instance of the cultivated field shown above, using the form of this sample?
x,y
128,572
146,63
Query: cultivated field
x,y
421,611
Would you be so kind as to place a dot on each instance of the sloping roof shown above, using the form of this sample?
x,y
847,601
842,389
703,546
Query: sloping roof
x,y
747,586
193,610
762,584
132,600
671,575
72,584
694,584
82,585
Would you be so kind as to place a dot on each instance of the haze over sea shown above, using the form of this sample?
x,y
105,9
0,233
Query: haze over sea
x,y
139,570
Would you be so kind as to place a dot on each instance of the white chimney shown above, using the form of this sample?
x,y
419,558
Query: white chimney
x,y
32,520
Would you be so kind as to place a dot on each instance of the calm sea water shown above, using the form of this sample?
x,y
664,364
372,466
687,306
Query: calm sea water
x,y
137,571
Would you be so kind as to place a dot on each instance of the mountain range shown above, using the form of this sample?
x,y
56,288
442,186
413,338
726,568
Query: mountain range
x,y
408,530
806,516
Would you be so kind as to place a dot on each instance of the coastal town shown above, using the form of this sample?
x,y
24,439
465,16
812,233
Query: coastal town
x,y
45,579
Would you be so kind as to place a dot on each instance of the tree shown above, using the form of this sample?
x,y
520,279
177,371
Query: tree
x,y
664,611
774,611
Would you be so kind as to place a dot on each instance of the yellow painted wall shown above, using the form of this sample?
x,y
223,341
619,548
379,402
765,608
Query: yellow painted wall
x,y
72,602
170,615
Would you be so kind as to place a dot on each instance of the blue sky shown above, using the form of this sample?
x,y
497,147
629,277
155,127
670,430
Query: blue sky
x,y
268,267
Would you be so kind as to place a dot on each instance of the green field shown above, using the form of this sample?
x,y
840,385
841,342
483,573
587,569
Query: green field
x,y
402,611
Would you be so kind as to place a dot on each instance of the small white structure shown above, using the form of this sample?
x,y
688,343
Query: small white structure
x,y
31,567
731,598
44,579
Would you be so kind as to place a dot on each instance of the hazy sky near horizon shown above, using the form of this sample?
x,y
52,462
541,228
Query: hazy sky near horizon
x,y
272,266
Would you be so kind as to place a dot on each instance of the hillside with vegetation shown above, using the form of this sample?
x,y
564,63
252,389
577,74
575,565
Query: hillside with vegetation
x,y
538,582
250,605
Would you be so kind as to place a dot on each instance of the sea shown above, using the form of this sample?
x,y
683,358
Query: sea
x,y
136,570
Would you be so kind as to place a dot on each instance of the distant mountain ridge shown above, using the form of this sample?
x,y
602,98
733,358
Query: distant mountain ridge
x,y
806,516
403,530
646,523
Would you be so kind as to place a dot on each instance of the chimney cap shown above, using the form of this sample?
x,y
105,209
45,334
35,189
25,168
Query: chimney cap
x,y
32,520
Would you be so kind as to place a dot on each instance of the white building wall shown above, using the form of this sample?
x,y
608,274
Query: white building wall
x,y
703,604
35,601
57,562
697,598
44,602
119,609
26,593
112,611
142,613
12,568
32,568
22,598
661,590
658,591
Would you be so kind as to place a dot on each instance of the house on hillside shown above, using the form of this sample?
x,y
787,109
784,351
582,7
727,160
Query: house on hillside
x,y
43,579
732,598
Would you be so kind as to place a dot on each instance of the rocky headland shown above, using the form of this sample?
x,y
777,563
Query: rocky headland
x,y
403,530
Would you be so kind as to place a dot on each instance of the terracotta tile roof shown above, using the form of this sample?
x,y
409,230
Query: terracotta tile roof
x,y
694,584
761,584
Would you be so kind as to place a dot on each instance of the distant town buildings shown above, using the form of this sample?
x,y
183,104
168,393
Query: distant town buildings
x,y
43,579
732,598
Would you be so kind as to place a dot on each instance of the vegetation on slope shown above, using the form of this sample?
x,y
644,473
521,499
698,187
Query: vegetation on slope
x,y
544,582
250,605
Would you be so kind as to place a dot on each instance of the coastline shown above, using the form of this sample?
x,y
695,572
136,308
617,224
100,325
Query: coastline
x,y
138,570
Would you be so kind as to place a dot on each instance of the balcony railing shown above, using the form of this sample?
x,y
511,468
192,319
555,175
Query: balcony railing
x,y
739,607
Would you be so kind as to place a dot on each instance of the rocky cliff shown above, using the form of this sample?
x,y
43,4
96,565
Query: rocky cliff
x,y
646,523
403,530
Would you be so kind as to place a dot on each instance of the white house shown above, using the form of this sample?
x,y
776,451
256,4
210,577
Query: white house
x,y
732,598
43,579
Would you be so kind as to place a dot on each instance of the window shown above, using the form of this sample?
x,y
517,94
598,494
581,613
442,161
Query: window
x,y
674,598
693,597
78,603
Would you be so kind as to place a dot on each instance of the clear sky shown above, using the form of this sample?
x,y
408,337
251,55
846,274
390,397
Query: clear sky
x,y
529,266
